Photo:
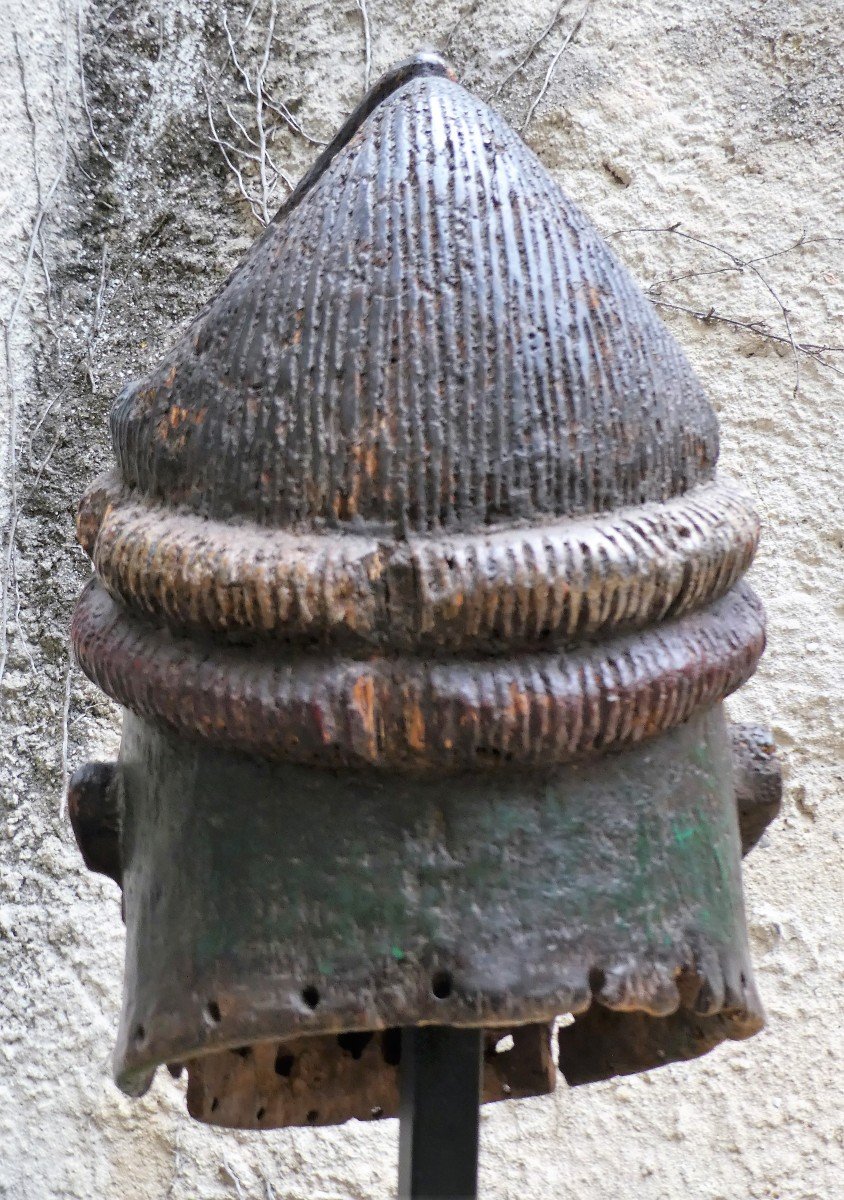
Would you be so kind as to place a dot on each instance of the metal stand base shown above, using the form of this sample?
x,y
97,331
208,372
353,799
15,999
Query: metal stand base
x,y
440,1097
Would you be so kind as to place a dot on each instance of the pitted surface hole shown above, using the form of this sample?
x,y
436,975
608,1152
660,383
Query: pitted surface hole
x,y
284,1064
442,984
354,1043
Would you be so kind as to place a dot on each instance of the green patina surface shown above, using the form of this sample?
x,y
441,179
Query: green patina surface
x,y
244,872
342,868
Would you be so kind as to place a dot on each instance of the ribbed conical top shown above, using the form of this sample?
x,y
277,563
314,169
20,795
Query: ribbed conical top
x,y
431,336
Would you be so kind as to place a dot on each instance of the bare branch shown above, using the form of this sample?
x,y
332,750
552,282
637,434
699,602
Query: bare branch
x,y
9,575
549,74
739,265
281,110
241,128
224,147
83,89
531,50
786,322
250,143
232,1175
233,52
809,349
458,25
367,45
97,320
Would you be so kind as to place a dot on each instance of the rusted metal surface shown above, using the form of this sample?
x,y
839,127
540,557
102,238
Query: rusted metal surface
x,y
328,1080
415,525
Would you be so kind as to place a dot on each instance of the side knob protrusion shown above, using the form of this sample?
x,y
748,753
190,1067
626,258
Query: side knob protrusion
x,y
94,810
758,781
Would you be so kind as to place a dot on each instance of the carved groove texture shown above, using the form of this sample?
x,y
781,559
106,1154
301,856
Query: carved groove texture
x,y
434,337
535,709
568,580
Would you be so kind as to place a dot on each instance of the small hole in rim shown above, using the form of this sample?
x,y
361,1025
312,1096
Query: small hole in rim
x,y
310,995
312,1116
260,1113
140,1033
284,1064
442,984
212,1011
354,1043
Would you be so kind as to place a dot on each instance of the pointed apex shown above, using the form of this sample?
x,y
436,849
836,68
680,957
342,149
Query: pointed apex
x,y
421,65
429,335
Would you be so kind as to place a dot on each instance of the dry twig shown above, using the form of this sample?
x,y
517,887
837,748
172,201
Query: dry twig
x,y
246,152
367,45
552,66
531,50
811,350
226,1167
281,110
738,264
43,203
83,89
458,25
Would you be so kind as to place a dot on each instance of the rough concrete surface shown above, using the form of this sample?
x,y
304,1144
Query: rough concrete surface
x,y
724,121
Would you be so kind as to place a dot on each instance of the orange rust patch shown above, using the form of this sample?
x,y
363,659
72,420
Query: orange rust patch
x,y
519,700
364,720
185,416
414,725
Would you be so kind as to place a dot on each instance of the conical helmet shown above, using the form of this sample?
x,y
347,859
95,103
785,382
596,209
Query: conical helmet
x,y
420,593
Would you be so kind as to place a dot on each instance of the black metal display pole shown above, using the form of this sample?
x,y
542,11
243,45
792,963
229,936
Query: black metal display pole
x,y
440,1098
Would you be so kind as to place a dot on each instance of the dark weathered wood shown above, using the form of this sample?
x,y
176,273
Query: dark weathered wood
x,y
327,1080
273,901
429,415
758,781
94,810
438,1133
416,523
432,336
420,713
